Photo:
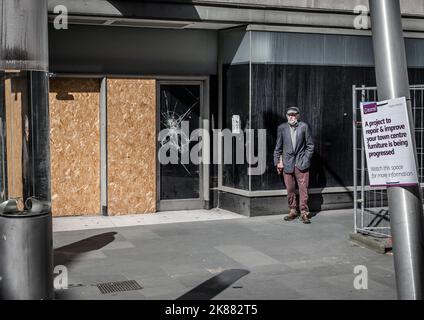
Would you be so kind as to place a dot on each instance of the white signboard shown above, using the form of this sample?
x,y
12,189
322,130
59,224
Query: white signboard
x,y
235,124
388,147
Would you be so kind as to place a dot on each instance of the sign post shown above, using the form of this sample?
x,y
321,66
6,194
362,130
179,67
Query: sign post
x,y
405,204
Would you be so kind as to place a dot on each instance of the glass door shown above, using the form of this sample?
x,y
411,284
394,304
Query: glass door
x,y
180,174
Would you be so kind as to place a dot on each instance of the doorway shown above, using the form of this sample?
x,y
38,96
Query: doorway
x,y
180,179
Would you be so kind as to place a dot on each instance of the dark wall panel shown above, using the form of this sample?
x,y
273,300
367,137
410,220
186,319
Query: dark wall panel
x,y
133,51
235,102
324,95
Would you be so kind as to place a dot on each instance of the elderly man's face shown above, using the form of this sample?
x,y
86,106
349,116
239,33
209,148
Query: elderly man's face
x,y
292,117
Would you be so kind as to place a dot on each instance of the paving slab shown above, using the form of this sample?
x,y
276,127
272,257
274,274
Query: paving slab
x,y
173,255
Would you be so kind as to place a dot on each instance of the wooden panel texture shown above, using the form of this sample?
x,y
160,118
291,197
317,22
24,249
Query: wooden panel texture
x,y
75,146
15,99
131,140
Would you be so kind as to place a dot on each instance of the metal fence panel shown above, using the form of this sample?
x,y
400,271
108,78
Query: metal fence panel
x,y
371,212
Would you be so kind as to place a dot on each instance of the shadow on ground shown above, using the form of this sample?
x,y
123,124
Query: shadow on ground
x,y
215,285
67,254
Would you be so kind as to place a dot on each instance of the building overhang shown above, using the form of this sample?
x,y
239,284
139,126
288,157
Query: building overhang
x,y
216,15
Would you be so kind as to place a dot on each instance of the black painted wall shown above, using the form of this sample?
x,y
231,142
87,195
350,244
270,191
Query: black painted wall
x,y
235,102
133,51
324,95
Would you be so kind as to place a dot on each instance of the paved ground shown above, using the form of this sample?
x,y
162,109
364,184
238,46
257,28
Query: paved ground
x,y
226,256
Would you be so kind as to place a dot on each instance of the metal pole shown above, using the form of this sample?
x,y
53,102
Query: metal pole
x,y
405,206
26,246
103,147
355,158
363,198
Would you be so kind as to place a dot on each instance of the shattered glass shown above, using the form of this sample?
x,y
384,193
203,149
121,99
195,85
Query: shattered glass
x,y
179,114
177,138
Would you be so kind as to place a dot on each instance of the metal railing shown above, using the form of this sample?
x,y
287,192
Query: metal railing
x,y
371,212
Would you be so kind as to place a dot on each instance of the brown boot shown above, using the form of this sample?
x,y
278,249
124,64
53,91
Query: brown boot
x,y
304,217
291,216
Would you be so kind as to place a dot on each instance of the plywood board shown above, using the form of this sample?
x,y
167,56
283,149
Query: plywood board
x,y
15,97
131,109
75,146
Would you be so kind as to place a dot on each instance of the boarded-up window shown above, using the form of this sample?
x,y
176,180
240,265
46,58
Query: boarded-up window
x,y
75,146
131,128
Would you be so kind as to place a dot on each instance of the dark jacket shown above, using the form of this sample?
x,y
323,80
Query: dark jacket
x,y
301,156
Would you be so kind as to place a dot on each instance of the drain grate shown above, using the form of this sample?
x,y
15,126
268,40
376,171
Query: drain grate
x,y
120,286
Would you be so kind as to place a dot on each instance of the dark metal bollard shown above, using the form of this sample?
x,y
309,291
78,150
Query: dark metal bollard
x,y
26,256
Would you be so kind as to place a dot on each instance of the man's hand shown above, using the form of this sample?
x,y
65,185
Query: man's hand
x,y
280,168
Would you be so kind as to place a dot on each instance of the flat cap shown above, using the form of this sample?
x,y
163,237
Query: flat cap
x,y
292,110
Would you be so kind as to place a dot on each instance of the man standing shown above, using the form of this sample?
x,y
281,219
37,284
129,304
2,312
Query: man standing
x,y
292,157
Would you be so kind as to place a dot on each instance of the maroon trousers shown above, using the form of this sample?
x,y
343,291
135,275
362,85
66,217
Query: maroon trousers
x,y
302,178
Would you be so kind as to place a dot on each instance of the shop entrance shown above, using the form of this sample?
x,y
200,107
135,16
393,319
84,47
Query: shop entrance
x,y
180,176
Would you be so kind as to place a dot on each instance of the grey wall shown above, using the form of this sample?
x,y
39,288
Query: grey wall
x,y
137,51
321,13
408,6
307,49
327,49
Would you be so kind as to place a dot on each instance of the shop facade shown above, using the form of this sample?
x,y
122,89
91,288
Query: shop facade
x,y
116,82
